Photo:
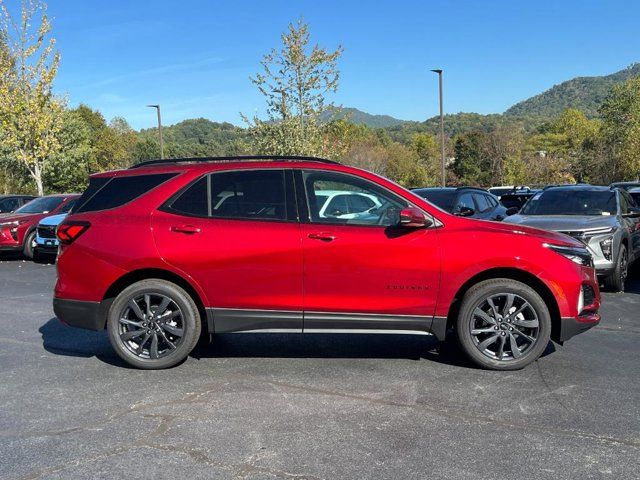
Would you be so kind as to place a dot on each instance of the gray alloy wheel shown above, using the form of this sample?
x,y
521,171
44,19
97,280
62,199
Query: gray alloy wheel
x,y
618,278
153,324
503,324
29,245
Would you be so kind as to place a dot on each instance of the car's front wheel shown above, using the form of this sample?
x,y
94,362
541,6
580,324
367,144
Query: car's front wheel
x,y
153,324
29,245
615,282
503,324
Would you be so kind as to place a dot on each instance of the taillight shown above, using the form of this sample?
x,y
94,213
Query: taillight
x,y
68,232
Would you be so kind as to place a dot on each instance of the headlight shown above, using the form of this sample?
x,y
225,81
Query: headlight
x,y
9,224
606,247
578,255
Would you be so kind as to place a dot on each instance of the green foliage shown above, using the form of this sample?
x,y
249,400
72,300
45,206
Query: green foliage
x,y
295,81
621,129
30,115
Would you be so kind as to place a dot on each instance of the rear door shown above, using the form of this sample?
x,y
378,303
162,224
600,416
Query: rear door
x,y
236,233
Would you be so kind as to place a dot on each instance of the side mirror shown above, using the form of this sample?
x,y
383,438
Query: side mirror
x,y
512,211
412,217
465,212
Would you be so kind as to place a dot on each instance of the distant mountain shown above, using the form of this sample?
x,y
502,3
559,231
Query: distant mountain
x,y
363,118
583,93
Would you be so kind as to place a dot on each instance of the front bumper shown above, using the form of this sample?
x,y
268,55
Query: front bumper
x,y
80,313
7,241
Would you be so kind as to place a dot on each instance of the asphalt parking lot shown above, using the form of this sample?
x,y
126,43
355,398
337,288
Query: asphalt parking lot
x,y
310,407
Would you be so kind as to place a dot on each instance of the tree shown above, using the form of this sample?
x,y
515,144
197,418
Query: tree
x,y
620,113
30,115
472,164
295,81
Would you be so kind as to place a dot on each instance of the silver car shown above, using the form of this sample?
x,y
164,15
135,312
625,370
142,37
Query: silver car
x,y
606,219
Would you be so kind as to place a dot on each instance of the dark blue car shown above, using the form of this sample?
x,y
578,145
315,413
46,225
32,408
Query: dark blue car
x,y
465,202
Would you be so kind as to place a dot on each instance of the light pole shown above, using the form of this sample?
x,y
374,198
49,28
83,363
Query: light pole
x,y
444,175
157,107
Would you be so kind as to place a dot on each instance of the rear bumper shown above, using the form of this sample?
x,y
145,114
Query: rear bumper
x,y
570,327
79,313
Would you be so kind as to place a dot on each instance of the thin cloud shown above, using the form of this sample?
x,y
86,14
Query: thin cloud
x,y
176,67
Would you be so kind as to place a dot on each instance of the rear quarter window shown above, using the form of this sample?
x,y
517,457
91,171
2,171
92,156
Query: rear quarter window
x,y
105,193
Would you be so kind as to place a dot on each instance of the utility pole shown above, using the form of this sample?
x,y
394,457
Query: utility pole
x,y
157,107
444,174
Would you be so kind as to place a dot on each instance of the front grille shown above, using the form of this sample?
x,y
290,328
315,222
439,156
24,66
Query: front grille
x,y
588,294
47,231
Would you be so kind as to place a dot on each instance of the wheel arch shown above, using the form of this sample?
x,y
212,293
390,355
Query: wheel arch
x,y
148,273
514,274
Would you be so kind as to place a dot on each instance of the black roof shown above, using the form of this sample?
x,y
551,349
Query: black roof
x,y
241,158
448,189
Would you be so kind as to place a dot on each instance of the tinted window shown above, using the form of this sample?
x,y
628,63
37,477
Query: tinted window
x,y
481,201
440,198
384,211
465,201
250,194
41,205
8,205
493,202
117,191
571,202
194,200
95,184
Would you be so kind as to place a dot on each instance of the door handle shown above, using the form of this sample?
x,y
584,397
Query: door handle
x,y
324,236
188,229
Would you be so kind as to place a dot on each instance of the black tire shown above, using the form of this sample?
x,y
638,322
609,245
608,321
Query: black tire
x,y
141,330
27,248
615,282
474,329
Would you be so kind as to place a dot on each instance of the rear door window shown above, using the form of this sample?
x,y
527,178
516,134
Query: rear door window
x,y
105,193
465,201
253,194
481,202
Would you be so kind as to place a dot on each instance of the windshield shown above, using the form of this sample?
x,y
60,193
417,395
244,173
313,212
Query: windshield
x,y
440,198
571,202
41,205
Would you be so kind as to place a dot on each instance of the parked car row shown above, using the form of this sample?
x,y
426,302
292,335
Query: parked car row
x,y
19,229
605,219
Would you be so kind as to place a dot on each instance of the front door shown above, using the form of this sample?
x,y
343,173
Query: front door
x,y
362,271
237,235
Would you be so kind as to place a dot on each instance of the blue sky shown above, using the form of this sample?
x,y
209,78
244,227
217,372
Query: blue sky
x,y
195,57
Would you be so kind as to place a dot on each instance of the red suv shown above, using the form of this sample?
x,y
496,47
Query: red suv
x,y
168,249
18,229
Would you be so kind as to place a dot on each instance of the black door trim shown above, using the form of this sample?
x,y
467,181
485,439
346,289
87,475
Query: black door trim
x,y
227,320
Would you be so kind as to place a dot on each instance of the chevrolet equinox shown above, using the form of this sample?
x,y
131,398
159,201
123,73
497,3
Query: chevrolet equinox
x,y
171,249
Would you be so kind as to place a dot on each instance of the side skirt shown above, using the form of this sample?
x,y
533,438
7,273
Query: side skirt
x,y
227,320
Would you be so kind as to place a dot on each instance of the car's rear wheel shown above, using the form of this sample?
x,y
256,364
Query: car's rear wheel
x,y
153,324
503,324
29,245
618,278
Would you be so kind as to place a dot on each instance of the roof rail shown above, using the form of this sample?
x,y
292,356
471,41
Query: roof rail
x,y
241,158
